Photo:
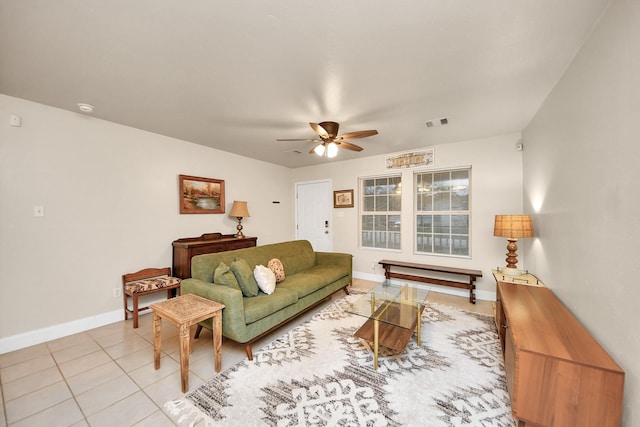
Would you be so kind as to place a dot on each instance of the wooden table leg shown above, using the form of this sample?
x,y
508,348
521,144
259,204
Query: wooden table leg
x,y
184,356
157,339
191,332
217,340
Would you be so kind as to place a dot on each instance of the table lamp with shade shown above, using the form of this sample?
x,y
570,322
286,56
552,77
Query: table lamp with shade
x,y
239,210
513,227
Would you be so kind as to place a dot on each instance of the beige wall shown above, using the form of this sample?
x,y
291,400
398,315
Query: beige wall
x,y
581,179
110,198
110,195
496,189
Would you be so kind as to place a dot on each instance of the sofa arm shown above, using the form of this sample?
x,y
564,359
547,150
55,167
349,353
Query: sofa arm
x,y
233,312
335,258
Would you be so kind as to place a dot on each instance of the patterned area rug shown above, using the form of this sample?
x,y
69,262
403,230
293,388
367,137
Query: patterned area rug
x,y
320,374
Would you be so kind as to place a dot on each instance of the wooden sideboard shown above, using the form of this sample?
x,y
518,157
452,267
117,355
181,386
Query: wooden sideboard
x,y
184,249
557,374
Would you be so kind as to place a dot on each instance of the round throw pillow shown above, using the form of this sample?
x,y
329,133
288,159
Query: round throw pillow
x,y
276,266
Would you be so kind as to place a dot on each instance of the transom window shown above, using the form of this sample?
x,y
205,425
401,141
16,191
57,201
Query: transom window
x,y
442,212
380,212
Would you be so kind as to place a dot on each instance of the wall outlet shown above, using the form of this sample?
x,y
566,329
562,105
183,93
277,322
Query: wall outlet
x,y
117,292
373,265
15,120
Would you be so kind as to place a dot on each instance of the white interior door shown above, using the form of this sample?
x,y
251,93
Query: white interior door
x,y
314,204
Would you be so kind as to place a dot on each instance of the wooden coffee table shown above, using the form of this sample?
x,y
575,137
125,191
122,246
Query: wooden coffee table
x,y
185,312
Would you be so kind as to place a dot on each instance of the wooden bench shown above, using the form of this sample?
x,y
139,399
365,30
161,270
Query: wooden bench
x,y
456,283
145,282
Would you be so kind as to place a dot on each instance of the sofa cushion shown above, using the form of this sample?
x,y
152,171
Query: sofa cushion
x,y
303,284
152,284
314,278
265,278
225,277
245,278
264,305
276,266
329,273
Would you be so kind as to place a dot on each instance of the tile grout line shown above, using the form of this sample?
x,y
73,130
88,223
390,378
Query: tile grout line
x,y
139,387
64,378
4,406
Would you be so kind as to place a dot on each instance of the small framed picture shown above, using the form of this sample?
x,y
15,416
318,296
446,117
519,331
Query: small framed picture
x,y
201,195
343,199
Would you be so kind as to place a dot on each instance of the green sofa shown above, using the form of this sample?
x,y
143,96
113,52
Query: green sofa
x,y
310,278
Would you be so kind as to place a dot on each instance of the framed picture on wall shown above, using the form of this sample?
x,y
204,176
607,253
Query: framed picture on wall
x,y
343,199
201,195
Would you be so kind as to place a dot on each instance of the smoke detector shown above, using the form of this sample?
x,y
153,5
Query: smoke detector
x,y
86,108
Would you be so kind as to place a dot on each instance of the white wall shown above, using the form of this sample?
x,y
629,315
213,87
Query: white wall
x,y
496,189
581,180
110,195
111,206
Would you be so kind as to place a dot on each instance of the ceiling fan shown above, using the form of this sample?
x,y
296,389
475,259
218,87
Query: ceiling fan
x,y
330,141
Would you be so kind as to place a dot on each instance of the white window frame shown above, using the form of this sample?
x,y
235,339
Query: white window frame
x,y
419,235
392,233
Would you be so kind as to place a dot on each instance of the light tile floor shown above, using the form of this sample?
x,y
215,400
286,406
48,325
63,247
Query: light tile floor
x,y
105,376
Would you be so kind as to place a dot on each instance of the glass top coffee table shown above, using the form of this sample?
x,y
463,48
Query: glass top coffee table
x,y
393,312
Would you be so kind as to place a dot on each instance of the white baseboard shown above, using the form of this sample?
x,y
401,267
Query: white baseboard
x,y
38,336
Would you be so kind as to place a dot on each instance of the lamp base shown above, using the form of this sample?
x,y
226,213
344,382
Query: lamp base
x,y
507,271
239,234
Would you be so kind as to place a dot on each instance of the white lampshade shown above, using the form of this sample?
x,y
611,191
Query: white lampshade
x,y
319,150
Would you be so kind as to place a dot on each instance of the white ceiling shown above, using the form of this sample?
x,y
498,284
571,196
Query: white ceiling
x,y
237,75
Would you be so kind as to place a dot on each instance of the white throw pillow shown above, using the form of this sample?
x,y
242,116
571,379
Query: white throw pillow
x,y
265,278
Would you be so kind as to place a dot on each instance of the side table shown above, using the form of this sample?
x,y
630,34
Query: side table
x,y
185,311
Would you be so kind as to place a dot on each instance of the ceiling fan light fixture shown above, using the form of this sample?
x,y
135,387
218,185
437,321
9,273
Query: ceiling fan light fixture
x,y
326,145
332,150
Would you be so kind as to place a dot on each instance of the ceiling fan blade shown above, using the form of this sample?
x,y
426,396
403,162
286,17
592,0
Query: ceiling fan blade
x,y
312,151
349,146
358,134
319,130
306,140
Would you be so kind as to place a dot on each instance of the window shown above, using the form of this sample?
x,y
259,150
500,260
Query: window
x,y
380,212
442,212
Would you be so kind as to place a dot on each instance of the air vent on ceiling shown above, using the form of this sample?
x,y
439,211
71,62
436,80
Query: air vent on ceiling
x,y
437,122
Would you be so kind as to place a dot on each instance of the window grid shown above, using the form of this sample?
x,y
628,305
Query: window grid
x,y
381,203
442,212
